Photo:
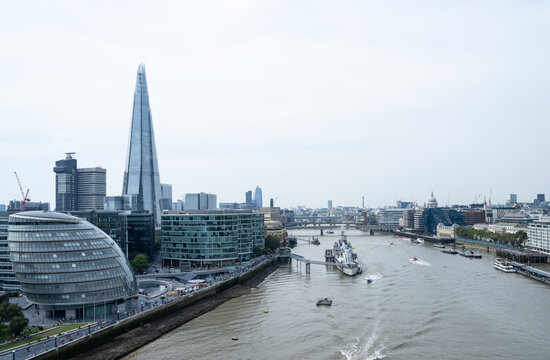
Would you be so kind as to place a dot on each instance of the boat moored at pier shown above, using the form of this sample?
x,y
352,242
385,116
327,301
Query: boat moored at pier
x,y
503,265
345,257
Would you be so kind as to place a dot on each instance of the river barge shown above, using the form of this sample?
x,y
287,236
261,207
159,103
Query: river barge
x,y
531,272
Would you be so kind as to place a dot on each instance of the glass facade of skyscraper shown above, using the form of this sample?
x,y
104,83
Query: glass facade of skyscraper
x,y
141,176
216,238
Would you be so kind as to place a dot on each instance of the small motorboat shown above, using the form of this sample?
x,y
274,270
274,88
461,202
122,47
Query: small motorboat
x,y
449,251
471,255
439,246
329,232
234,338
265,311
414,259
389,243
324,302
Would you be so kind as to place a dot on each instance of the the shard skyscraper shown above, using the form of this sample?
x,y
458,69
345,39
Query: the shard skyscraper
x,y
141,177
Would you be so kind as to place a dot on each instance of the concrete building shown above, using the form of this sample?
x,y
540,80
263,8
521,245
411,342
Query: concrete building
x,y
538,235
446,231
200,201
472,217
66,184
329,205
419,220
271,213
512,199
91,188
248,197
408,219
210,238
68,267
141,176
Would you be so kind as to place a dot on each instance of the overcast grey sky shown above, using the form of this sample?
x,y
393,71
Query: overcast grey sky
x,y
311,100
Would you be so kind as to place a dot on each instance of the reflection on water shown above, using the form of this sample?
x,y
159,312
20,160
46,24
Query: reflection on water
x,y
438,307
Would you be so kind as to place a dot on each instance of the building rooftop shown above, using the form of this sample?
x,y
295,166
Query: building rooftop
x,y
49,216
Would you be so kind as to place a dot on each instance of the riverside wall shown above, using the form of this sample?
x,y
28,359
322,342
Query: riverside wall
x,y
124,337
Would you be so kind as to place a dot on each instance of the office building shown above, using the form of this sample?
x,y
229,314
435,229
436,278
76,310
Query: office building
x,y
389,217
141,176
248,197
538,235
68,267
408,219
166,200
258,201
472,217
8,282
177,206
126,203
200,201
229,206
16,205
330,205
66,184
2,207
216,238
134,232
512,199
541,198
91,188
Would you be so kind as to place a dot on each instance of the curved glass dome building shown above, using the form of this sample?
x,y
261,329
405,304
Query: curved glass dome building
x,y
67,265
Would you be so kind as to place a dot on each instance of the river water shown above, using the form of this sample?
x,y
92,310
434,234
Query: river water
x,y
441,307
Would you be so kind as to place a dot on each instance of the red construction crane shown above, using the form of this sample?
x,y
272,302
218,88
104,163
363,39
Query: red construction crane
x,y
24,195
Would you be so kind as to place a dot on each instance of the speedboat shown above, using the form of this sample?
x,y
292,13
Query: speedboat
x,y
419,241
439,246
449,251
414,259
389,243
503,265
324,302
470,254
329,232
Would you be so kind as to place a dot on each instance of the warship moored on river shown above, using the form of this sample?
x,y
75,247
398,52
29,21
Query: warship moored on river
x,y
345,257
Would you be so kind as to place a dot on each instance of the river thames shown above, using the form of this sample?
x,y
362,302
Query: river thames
x,y
441,307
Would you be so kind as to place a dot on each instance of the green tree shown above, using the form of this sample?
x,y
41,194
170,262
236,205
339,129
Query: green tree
x,y
140,263
8,311
17,324
272,242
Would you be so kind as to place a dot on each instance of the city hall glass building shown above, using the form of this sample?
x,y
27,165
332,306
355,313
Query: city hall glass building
x,y
69,267
217,238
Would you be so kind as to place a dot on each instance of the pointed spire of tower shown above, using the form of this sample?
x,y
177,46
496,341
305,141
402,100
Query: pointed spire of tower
x,y
141,177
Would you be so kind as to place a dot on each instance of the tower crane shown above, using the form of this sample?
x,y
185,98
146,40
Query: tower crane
x,y
24,195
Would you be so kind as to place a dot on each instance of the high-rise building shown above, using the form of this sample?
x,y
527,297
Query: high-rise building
x,y
512,199
120,203
141,176
166,200
200,201
248,197
258,202
91,188
16,205
66,184
330,205
541,198
7,275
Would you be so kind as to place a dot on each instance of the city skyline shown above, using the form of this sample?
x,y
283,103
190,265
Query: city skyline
x,y
456,105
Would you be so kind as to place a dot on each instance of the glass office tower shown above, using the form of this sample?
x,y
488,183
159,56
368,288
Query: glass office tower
x,y
67,266
141,176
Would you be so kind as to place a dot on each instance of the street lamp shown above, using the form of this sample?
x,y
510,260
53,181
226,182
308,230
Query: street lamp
x,y
118,314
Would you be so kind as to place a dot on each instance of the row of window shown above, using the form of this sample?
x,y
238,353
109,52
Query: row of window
x,y
87,298
65,267
58,246
66,288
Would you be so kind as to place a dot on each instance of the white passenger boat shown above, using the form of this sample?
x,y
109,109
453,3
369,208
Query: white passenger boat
x,y
345,257
503,265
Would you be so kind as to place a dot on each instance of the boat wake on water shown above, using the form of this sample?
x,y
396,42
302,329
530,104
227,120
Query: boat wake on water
x,y
420,262
356,351
372,278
